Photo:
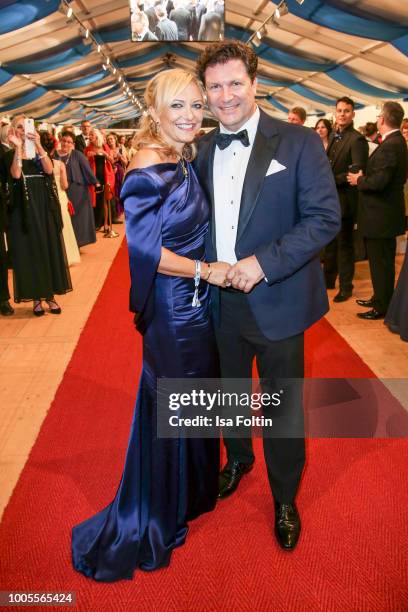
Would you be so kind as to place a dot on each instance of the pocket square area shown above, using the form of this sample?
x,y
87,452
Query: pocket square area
x,y
274,167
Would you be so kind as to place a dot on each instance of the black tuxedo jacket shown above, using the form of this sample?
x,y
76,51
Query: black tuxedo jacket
x,y
196,13
382,213
286,217
352,148
80,143
182,17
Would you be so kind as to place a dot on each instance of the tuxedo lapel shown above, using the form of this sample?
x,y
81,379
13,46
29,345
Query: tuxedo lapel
x,y
344,140
262,153
207,154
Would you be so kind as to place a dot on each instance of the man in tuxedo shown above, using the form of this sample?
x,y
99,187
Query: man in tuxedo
x,y
182,17
196,12
82,140
140,28
382,214
347,150
274,207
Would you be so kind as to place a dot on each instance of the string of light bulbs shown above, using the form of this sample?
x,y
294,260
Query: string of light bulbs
x,y
106,60
281,10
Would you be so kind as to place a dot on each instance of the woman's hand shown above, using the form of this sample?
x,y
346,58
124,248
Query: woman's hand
x,y
37,141
218,274
14,139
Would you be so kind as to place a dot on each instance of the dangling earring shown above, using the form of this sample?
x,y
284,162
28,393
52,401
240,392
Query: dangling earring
x,y
155,127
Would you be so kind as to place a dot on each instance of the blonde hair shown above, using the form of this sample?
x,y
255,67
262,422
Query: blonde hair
x,y
161,90
99,137
16,120
4,130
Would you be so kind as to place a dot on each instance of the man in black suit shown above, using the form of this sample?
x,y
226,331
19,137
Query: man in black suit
x,y
347,148
382,214
274,207
82,140
165,29
140,28
182,17
196,12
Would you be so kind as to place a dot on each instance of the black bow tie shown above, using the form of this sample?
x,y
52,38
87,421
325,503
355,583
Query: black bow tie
x,y
224,140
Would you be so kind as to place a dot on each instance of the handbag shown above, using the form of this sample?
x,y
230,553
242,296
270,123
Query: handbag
x,y
108,192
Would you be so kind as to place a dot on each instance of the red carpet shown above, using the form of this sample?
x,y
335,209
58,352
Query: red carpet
x,y
354,499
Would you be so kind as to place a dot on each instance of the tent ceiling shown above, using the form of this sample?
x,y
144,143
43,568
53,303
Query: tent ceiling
x,y
318,52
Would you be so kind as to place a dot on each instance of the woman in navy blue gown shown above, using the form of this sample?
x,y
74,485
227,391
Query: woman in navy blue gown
x,y
166,482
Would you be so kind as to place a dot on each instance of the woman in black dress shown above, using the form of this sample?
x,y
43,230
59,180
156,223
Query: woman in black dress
x,y
5,308
101,163
39,261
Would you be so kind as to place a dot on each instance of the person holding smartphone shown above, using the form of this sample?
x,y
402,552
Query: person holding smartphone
x,y
37,247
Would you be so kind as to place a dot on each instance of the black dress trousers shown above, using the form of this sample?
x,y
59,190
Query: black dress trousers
x,y
280,365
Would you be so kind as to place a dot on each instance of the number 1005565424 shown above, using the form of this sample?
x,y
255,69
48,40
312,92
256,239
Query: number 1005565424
x,y
39,598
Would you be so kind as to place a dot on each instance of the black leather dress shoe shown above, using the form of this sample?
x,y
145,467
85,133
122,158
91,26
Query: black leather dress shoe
x,y
230,477
5,309
342,296
366,303
371,315
287,525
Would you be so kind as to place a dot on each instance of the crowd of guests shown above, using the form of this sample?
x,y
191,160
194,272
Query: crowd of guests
x,y
53,203
369,166
155,20
370,169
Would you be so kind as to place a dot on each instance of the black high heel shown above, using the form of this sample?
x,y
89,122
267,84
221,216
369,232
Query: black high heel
x,y
38,310
53,306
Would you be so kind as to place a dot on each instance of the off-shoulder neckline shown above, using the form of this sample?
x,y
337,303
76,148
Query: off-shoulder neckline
x,y
155,166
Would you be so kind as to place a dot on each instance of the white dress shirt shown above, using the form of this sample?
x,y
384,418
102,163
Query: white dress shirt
x,y
230,166
384,136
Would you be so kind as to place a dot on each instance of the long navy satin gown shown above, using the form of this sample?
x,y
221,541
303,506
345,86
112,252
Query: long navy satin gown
x,y
166,482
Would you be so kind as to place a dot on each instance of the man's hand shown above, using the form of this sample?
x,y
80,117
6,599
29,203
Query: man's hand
x,y
245,274
218,274
353,177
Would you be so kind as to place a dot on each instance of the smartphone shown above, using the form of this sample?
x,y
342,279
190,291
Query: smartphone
x,y
354,168
29,145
